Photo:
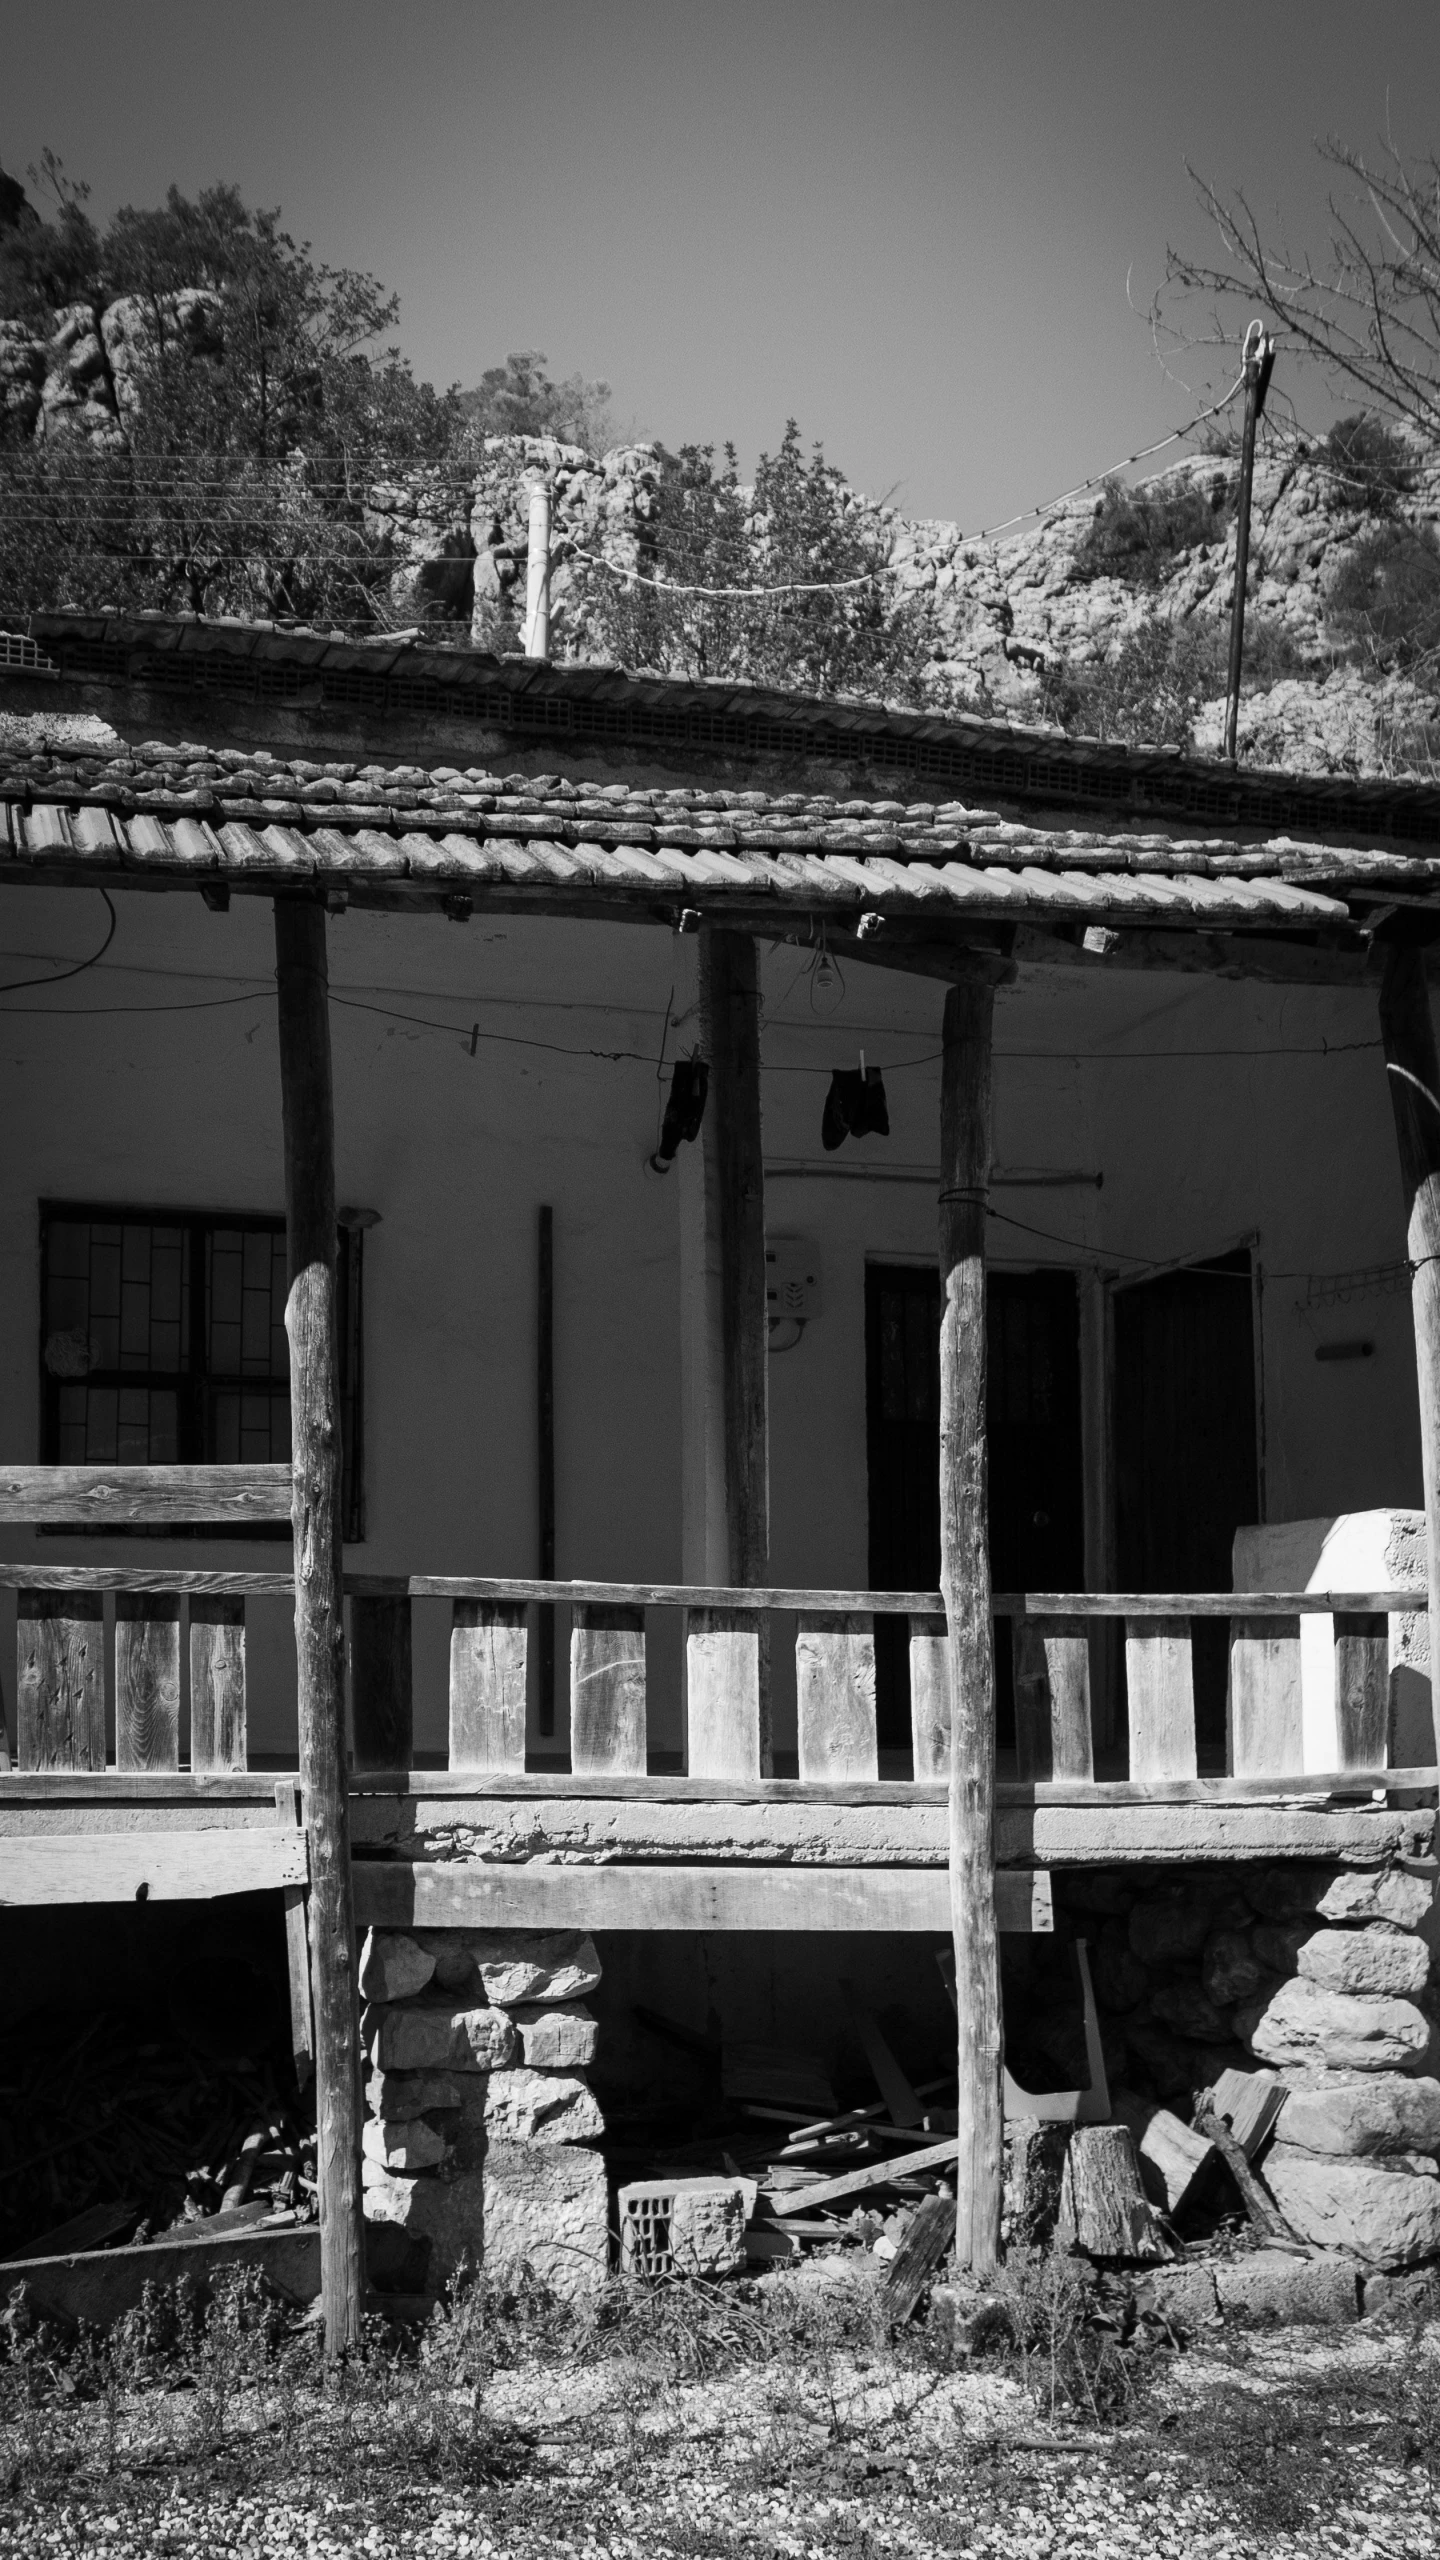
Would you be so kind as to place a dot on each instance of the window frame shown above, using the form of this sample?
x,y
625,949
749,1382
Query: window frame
x,y
198,1225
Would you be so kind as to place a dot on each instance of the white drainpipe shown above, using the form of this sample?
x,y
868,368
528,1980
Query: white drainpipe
x,y
537,572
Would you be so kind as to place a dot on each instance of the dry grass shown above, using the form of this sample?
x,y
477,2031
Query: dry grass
x,y
715,2422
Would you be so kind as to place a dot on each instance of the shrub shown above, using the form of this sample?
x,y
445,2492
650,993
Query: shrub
x,y
1137,533
1370,465
1385,599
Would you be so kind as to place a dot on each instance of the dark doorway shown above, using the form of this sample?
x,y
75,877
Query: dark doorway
x,y
1185,1450
1037,1540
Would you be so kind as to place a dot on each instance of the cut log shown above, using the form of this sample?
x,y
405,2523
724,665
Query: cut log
x,y
1174,2158
1034,2173
1104,2210
918,2257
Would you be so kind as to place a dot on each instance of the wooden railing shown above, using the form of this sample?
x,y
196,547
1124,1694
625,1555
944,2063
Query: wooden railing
x,y
62,1718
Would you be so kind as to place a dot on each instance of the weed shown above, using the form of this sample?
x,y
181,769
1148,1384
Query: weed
x,y
1385,599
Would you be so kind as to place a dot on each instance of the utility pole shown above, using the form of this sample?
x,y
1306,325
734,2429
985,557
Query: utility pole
x,y
537,571
1257,364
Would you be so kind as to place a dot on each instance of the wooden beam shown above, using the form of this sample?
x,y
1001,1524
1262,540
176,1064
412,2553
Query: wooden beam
x,y
149,1866
123,1497
1259,958
965,1582
1413,1071
476,1894
312,1327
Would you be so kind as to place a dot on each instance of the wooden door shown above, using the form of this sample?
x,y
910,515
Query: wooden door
x,y
1036,1482
1185,1450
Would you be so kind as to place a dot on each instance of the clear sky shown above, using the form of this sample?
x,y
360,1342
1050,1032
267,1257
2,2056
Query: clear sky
x,y
929,229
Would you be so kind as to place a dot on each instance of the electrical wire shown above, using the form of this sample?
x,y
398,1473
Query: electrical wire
x,y
60,975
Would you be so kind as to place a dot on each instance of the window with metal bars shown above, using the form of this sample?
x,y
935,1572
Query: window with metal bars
x,y
162,1343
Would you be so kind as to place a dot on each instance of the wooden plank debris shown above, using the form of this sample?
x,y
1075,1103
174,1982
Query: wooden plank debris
x,y
932,2229
1250,2102
1174,2158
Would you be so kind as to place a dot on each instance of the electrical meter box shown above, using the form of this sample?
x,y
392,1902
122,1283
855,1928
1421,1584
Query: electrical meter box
x,y
792,1279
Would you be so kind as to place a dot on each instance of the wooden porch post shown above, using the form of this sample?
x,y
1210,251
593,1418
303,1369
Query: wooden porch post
x,y
310,1323
965,1581
1413,1073
730,1021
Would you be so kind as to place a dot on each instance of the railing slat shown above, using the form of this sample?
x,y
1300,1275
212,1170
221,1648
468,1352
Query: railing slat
x,y
60,1680
1052,1699
930,1697
1266,1724
835,1696
1160,1688
147,1680
725,1693
102,1497
488,1647
382,1703
607,1692
217,1682
1362,1691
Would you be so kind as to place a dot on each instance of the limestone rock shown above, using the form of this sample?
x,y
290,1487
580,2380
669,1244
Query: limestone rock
x,y
1382,2113
1184,2007
1273,2284
1378,1893
449,2213
436,2036
1341,1893
396,2095
525,1965
1184,2296
1384,2216
1365,1960
392,1966
547,2207
1232,1970
540,2106
404,2147
453,1962
1304,2023
559,2038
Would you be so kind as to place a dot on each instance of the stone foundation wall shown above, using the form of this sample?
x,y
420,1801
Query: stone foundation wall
x,y
479,2115
1320,1974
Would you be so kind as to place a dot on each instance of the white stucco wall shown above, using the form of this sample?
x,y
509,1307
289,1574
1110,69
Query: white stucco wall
x,y
181,1108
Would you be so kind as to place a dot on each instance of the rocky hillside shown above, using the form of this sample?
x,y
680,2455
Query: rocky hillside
x,y
1111,614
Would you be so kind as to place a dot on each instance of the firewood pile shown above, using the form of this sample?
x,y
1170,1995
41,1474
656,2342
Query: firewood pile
x,y
108,2137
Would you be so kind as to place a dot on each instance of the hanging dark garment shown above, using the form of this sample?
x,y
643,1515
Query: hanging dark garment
x,y
854,1107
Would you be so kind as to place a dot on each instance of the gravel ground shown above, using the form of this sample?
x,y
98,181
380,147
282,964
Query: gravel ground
x,y
792,2429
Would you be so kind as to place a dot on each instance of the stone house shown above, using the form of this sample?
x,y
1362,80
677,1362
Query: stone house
x,y
620,1342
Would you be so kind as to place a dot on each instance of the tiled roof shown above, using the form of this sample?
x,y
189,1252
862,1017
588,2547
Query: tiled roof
x,y
579,709
417,834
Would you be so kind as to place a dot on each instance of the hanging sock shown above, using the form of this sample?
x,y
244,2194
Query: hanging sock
x,y
854,1107
684,1107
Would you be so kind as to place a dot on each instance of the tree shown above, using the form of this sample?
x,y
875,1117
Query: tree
x,y
784,583
1367,313
519,398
